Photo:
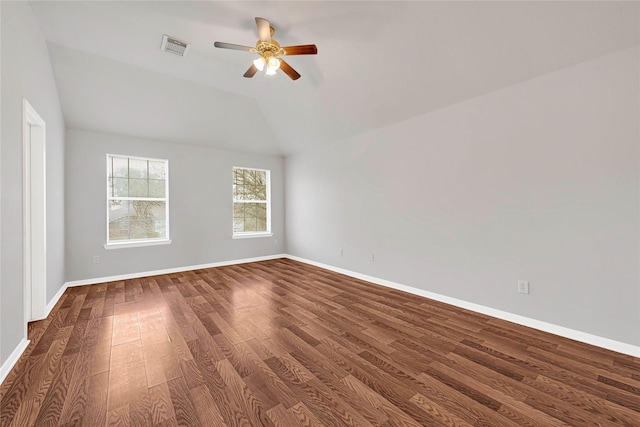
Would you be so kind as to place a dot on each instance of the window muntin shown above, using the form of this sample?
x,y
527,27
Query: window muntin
x,y
251,202
137,199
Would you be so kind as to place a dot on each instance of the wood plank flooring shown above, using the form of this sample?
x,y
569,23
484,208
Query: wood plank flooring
x,y
281,343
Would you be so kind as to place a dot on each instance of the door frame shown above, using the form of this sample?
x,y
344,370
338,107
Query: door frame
x,y
34,214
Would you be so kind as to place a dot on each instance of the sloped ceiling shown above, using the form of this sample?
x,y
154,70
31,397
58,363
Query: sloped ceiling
x,y
378,63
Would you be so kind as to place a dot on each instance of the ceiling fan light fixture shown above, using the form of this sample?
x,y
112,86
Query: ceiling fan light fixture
x,y
259,63
274,63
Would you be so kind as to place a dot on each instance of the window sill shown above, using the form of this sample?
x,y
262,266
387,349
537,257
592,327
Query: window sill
x,y
251,235
136,244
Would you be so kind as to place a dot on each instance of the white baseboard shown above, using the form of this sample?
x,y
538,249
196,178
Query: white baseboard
x,y
13,359
573,334
55,300
93,281
562,331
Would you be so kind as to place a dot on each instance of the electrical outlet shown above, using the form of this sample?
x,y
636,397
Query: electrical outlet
x,y
340,251
96,259
371,258
523,287
275,242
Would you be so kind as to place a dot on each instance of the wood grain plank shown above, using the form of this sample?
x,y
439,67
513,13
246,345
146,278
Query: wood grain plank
x,y
281,417
162,408
252,408
281,343
95,413
206,408
183,407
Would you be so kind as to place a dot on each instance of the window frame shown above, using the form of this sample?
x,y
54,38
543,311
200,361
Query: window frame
x,y
131,243
251,234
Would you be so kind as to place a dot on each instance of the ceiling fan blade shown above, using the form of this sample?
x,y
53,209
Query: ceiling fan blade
x,y
264,29
251,71
305,49
224,45
293,74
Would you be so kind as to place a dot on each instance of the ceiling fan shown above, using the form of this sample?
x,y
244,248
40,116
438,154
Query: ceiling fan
x,y
270,52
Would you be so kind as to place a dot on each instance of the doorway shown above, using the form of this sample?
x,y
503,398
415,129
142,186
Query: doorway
x,y
35,214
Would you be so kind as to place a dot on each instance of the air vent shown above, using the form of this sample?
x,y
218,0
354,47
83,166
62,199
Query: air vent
x,y
177,47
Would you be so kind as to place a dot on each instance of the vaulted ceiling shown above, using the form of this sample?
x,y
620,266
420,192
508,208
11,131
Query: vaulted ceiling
x,y
378,63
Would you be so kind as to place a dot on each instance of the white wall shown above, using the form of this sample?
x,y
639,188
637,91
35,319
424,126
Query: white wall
x,y
200,206
27,73
538,181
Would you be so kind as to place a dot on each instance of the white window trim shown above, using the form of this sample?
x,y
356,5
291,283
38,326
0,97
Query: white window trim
x,y
251,234
135,243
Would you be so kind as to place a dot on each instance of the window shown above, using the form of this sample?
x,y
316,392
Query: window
x,y
251,203
137,201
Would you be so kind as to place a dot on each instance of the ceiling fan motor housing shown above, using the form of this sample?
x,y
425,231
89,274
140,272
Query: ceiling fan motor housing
x,y
267,49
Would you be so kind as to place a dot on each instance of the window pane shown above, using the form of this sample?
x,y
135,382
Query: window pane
x,y
160,218
120,187
136,220
261,211
248,177
250,217
249,224
138,168
157,188
250,191
120,167
138,187
148,219
239,192
250,185
118,220
249,210
157,170
238,210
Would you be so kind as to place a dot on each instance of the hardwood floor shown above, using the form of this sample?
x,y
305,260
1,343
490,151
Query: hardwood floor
x,y
281,343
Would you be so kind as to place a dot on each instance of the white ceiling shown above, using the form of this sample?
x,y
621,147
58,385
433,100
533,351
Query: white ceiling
x,y
378,63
